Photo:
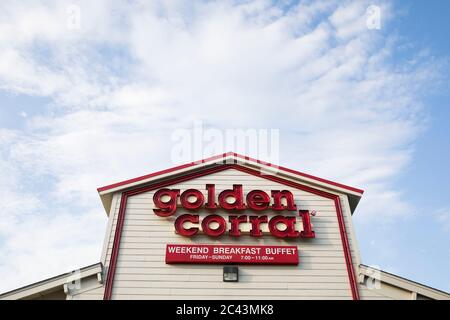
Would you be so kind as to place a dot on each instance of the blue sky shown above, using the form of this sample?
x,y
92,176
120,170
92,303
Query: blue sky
x,y
426,25
95,100
425,180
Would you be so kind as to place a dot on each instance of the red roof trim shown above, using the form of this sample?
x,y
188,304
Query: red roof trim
x,y
221,156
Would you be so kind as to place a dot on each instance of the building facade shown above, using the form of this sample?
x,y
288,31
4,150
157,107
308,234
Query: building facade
x,y
228,227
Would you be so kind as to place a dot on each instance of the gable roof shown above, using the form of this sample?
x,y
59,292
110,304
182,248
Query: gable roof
x,y
107,191
46,286
406,284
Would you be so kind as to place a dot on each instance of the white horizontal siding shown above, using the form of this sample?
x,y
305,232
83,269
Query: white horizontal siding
x,y
229,292
254,278
235,296
142,273
244,270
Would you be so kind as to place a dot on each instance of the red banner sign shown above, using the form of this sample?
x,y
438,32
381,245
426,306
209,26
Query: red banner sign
x,y
225,254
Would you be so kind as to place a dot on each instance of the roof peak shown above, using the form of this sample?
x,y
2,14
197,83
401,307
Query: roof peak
x,y
220,158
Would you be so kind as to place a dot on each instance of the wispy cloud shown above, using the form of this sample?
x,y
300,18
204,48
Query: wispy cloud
x,y
134,72
442,217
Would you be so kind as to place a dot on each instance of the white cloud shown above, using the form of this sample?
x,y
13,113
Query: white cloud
x,y
135,72
46,244
442,217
